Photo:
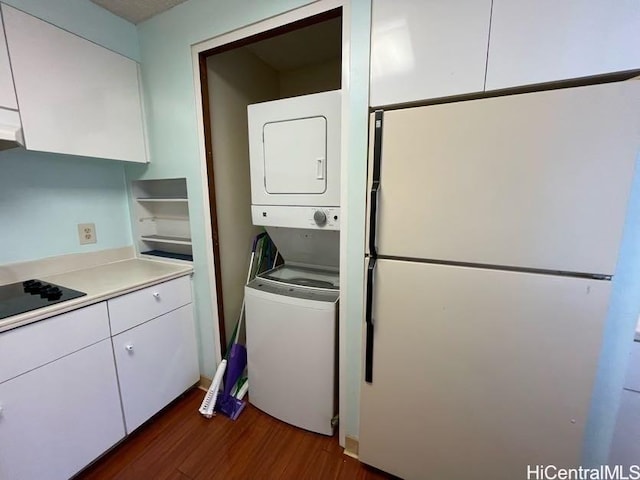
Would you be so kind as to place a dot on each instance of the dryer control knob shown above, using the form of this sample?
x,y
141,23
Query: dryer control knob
x,y
320,218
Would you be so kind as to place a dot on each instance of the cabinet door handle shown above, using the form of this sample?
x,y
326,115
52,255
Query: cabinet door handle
x,y
1,410
129,347
156,295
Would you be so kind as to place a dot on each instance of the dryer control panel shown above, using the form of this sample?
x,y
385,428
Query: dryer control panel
x,y
323,218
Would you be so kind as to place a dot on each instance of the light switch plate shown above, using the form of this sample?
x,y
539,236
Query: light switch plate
x,y
87,233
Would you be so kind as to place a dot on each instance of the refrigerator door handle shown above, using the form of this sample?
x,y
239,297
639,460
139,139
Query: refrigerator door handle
x,y
368,355
373,252
375,185
373,218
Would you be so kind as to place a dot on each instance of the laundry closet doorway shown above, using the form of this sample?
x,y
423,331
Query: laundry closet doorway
x,y
298,58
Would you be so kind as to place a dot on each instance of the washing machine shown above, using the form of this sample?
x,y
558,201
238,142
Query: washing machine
x,y
291,311
291,330
291,322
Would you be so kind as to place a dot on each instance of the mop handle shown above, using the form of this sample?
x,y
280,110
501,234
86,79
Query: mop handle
x,y
236,332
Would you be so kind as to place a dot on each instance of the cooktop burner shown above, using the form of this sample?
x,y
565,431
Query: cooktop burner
x,y
17,298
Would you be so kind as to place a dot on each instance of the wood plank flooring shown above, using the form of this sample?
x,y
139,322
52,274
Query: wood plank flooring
x,y
180,444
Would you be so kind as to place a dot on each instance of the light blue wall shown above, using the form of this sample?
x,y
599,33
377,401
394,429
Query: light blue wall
x,y
617,337
44,196
167,71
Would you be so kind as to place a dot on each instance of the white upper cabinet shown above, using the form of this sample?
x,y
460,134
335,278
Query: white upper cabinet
x,y
422,49
75,97
7,91
536,41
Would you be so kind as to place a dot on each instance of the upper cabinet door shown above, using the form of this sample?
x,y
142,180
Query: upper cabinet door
x,y
75,97
536,41
422,49
7,91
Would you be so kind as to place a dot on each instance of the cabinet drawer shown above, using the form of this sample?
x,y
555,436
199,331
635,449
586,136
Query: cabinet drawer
x,y
156,362
129,310
31,346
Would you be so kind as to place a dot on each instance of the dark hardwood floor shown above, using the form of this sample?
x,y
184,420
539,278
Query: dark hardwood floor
x,y
180,444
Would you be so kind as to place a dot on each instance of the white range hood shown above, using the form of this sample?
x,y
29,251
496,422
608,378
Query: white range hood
x,y
10,129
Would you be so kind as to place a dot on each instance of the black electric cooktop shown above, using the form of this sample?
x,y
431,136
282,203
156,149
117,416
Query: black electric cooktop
x,y
17,298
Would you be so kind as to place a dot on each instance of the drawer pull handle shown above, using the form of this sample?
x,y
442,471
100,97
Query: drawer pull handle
x,y
128,348
156,295
1,410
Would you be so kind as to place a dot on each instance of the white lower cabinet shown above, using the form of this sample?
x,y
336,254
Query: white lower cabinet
x,y
69,391
56,419
156,362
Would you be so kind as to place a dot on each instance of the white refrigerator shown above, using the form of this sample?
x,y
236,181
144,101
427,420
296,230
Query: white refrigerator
x,y
494,229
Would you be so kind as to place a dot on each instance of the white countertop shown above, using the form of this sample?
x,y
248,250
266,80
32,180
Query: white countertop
x,y
101,283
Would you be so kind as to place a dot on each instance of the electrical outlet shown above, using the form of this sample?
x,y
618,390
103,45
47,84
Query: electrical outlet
x,y
87,233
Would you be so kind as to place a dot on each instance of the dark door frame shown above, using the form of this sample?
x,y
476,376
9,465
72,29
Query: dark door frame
x,y
208,142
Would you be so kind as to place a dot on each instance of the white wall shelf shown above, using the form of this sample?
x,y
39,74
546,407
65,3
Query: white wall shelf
x,y
166,239
167,199
162,218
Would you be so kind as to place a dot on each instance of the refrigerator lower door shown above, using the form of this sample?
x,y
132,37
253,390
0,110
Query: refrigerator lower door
x,y
478,373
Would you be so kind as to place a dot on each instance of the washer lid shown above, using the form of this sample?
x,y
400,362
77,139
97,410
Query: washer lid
x,y
304,277
313,248
291,293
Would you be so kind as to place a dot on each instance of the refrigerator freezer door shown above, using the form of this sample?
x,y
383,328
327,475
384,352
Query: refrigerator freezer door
x,y
537,180
478,373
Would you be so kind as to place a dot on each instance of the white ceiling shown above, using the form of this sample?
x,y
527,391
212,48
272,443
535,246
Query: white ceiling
x,y
137,11
315,44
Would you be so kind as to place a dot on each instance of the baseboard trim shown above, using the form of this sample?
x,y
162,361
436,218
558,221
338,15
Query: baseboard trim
x,y
351,446
205,383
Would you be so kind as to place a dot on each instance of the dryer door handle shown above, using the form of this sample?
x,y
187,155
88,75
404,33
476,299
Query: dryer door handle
x,y
320,168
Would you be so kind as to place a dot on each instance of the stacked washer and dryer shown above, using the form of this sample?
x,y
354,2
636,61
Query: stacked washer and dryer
x,y
292,310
